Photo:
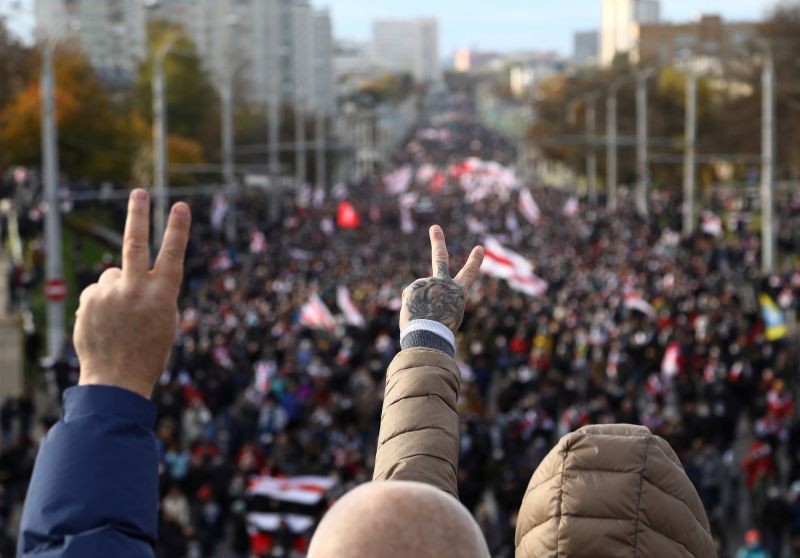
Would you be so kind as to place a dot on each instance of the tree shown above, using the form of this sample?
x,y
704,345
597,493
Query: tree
x,y
191,101
16,65
94,141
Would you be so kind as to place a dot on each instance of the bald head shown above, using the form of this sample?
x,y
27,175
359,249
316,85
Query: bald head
x,y
397,519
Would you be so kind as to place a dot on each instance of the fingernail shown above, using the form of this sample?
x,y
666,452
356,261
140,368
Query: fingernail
x,y
436,228
180,210
139,196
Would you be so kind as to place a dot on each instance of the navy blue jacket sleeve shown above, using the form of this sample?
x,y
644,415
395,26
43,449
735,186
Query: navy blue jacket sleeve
x,y
94,489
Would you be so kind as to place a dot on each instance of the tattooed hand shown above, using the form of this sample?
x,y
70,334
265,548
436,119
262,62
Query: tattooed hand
x,y
440,298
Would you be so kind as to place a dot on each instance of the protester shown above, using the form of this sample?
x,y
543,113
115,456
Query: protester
x,y
635,325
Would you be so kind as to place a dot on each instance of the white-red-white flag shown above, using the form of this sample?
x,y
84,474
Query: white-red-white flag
x,y
349,309
711,224
528,207
517,270
219,209
672,363
571,207
407,224
306,490
258,242
398,181
634,301
314,314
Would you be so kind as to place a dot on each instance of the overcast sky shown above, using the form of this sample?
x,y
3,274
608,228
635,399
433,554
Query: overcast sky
x,y
507,25
502,25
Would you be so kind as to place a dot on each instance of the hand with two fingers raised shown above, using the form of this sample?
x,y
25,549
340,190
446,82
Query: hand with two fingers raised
x,y
127,321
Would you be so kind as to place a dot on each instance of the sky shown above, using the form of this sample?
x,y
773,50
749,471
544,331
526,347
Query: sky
x,y
513,25
494,25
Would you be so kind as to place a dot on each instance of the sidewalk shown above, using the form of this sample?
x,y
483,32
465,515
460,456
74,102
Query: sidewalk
x,y
11,360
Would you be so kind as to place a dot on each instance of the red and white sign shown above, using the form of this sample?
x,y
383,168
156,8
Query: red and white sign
x,y
55,290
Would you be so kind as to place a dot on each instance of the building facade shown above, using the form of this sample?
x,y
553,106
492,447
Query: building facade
x,y
621,23
282,50
585,48
111,33
410,46
708,37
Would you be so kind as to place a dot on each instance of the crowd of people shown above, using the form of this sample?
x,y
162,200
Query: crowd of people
x,y
251,389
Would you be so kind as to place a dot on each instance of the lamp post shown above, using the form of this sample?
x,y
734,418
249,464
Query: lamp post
x,y
54,263
611,143
160,185
643,171
226,97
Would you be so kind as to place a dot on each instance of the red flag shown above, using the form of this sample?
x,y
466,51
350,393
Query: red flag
x,y
437,182
347,217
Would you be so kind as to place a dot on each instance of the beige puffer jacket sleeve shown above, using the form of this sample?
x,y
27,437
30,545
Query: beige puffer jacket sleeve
x,y
418,438
608,491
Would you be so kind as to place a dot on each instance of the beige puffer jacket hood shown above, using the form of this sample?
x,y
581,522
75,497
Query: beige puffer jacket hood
x,y
608,491
602,492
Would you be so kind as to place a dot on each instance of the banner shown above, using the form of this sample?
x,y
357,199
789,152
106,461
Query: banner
x,y
315,315
774,322
350,311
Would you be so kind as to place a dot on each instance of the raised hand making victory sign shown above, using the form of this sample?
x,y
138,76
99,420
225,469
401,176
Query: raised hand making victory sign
x,y
441,298
127,321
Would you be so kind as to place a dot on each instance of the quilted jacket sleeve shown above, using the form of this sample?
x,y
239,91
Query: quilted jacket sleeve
x,y
94,490
419,431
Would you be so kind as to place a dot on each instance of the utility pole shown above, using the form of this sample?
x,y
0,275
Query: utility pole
x,y
160,186
641,142
274,85
767,166
611,148
228,164
689,154
54,264
591,156
321,163
299,138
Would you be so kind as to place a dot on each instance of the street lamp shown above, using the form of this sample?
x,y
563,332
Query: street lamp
x,y
611,142
641,140
226,95
160,185
54,264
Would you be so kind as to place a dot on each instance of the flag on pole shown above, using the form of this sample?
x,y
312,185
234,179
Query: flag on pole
x,y
258,242
219,208
711,224
634,301
672,363
407,224
315,315
347,217
571,207
504,263
528,207
345,302
774,322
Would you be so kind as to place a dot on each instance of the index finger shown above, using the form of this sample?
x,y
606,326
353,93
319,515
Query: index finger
x,y
135,241
439,256
169,263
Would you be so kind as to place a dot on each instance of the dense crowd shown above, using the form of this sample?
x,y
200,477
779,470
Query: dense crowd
x,y
250,390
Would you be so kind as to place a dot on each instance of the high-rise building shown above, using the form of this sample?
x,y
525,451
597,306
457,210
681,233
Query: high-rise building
x,y
621,24
408,45
282,49
585,46
111,33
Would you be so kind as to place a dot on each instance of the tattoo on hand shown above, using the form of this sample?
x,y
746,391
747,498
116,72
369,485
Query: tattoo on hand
x,y
436,298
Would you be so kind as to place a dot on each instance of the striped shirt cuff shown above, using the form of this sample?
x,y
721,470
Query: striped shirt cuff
x,y
429,334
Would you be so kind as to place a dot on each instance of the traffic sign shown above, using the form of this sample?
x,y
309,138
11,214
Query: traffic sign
x,y
55,290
